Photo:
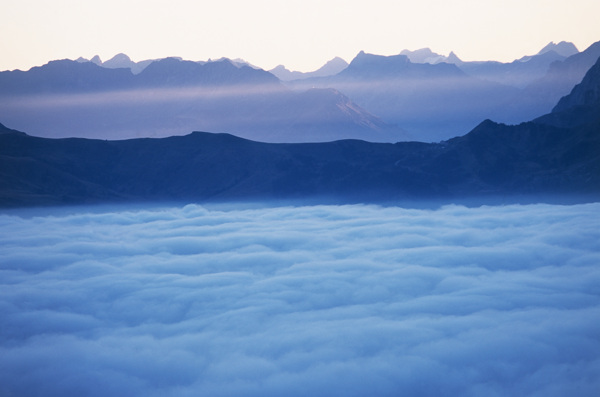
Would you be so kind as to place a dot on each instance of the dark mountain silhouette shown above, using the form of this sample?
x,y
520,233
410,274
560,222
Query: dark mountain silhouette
x,y
539,97
6,130
585,94
172,97
493,160
581,106
332,67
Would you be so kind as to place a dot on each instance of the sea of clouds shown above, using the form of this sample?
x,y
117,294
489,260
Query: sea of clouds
x,y
349,300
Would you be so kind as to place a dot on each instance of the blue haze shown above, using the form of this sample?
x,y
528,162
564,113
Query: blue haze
x,y
318,300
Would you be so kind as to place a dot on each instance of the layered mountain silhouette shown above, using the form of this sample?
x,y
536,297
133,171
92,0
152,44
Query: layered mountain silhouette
x,y
561,50
432,101
579,107
172,97
436,97
120,61
416,95
539,97
543,158
519,73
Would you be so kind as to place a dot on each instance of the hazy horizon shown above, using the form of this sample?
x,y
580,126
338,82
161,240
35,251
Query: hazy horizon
x,y
238,59
300,35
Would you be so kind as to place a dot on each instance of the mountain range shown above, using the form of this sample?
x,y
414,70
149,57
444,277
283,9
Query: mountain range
x,y
539,97
172,97
432,101
122,61
415,95
519,73
557,155
436,98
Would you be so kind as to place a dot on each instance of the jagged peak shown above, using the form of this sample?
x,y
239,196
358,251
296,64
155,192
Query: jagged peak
x,y
563,48
453,58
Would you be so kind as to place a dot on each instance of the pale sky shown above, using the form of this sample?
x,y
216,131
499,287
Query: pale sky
x,y
302,34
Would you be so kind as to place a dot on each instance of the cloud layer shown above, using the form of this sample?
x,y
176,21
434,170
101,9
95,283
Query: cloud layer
x,y
295,301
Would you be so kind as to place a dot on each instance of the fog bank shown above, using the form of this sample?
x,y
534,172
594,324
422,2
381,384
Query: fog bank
x,y
348,300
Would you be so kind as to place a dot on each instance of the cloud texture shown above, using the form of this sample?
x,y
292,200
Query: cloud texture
x,y
297,301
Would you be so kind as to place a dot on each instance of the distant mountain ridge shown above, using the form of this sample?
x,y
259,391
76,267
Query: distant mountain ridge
x,y
540,97
171,97
581,106
564,48
425,55
519,73
120,61
373,66
432,101
418,95
532,160
435,99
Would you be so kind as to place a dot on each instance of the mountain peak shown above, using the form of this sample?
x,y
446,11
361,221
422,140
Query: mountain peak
x,y
564,48
279,69
453,58
120,57
336,62
119,61
96,59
